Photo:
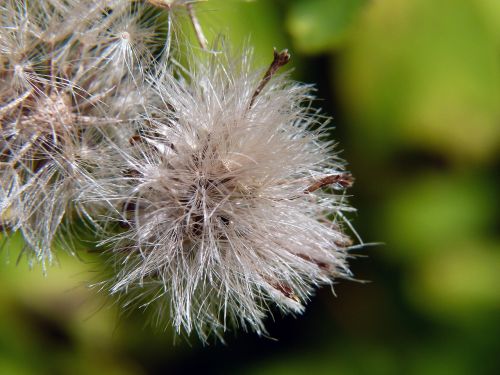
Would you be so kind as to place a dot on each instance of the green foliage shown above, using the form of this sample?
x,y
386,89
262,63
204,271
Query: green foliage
x,y
321,25
459,283
425,74
243,23
431,214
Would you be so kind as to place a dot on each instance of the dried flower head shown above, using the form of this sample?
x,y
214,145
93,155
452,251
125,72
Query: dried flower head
x,y
63,83
229,199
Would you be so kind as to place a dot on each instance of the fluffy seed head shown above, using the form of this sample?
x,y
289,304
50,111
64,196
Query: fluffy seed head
x,y
228,198
58,94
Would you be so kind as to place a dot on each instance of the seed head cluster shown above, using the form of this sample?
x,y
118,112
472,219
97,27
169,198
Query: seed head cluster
x,y
211,186
66,73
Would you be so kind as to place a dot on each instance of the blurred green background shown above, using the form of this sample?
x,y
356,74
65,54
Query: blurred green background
x,y
414,90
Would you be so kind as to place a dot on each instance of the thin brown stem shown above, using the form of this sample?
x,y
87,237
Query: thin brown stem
x,y
345,180
280,59
197,27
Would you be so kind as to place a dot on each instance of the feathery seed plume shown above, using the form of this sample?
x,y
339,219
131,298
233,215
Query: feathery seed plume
x,y
227,199
60,88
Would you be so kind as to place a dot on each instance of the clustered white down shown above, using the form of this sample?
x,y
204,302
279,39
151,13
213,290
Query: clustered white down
x,y
211,186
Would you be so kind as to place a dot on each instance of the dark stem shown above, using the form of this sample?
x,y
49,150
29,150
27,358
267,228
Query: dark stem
x,y
345,180
280,59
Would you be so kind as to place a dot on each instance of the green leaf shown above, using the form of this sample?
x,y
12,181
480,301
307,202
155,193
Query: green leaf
x,y
436,212
461,284
320,25
426,75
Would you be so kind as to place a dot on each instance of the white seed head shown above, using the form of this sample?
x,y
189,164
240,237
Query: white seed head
x,y
58,97
223,200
